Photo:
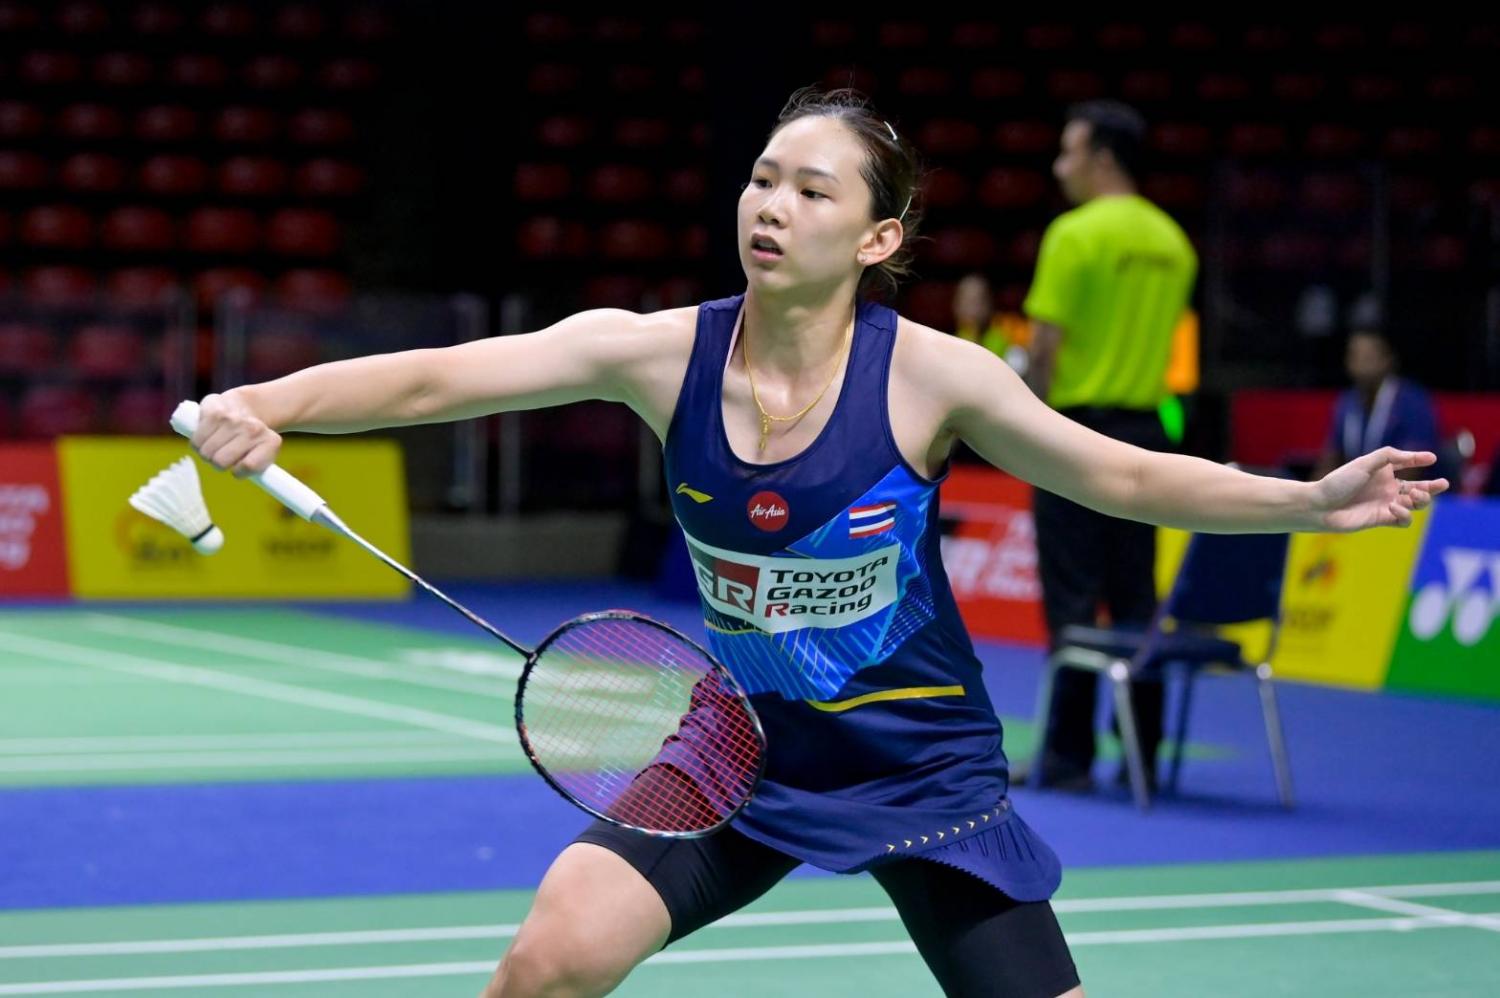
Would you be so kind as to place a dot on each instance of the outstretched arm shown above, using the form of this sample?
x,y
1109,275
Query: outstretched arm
x,y
602,354
995,414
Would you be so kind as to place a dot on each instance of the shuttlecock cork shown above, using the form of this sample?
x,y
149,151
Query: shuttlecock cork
x,y
175,497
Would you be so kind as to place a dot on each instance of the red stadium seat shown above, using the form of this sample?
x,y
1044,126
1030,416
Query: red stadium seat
x,y
1181,138
1340,37
1121,37
902,34
618,30
328,178
1022,249
156,19
1074,85
563,131
832,34
303,232
1176,191
931,304
642,133
948,137
300,22
173,176
212,285
139,411
1146,86
1333,140
25,349
107,351
16,18
1007,188
925,82
1266,39
5,234
1485,141
1256,139
632,79
245,125
1413,142
1256,193
122,69
1223,87
614,292
1026,138
138,229
692,80
553,79
1294,251
228,20
1333,194
20,120
59,287
687,185
313,290
91,173
271,72
199,72
223,230
367,24
619,183
1050,37
1374,88
856,77
348,75
21,171
271,353
1353,253
320,126
634,240
542,182
549,238
976,35
141,288
166,123
57,227
967,248
1416,196
46,69
89,122
83,17
1298,88
944,189
548,28
251,176
1442,252
692,242
684,31
1452,87
997,83
677,292
55,410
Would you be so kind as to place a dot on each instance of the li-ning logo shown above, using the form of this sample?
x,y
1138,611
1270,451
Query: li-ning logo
x,y
767,511
1471,608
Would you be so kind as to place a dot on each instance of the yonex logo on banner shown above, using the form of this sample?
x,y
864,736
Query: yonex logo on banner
x,y
1469,597
20,505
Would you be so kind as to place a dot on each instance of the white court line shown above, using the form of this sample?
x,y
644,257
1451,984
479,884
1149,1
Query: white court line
x,y
258,759
58,651
285,654
811,916
1378,903
84,745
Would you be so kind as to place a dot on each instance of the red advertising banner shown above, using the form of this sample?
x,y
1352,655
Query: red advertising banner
x,y
990,554
32,561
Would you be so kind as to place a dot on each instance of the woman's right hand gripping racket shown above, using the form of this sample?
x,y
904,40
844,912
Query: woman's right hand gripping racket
x,y
622,715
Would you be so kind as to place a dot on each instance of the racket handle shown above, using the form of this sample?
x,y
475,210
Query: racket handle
x,y
280,484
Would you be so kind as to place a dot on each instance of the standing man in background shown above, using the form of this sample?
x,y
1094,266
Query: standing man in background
x,y
1113,278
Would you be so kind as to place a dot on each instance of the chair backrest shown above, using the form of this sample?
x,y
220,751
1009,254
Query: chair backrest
x,y
1229,578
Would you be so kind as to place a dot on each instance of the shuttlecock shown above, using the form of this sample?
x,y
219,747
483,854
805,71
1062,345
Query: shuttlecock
x,y
174,497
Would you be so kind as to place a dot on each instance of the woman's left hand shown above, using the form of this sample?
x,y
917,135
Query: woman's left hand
x,y
1366,492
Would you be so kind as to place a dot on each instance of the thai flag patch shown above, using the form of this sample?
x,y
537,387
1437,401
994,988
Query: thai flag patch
x,y
867,521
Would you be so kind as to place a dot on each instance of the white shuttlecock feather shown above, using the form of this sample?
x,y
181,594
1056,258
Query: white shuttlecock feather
x,y
175,497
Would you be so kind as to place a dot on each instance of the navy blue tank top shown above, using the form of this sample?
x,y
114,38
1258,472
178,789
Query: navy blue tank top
x,y
823,591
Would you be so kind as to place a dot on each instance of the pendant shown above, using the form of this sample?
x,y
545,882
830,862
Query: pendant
x,y
765,432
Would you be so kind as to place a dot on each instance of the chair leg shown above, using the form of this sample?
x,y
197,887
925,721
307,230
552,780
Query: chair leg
x,y
1130,740
1185,700
1038,773
1274,736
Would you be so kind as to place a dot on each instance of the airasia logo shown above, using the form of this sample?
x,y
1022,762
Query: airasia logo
x,y
767,511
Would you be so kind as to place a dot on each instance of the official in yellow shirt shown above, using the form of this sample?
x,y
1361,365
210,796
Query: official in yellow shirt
x,y
1112,282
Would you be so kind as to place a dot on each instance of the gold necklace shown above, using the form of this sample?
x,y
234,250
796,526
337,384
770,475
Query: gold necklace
x,y
766,419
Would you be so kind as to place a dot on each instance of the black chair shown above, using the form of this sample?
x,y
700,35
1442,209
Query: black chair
x,y
1224,579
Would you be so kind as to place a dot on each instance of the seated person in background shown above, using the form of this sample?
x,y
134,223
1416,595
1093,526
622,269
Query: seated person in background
x,y
975,320
1380,410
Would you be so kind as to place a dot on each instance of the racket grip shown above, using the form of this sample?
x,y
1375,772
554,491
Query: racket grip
x,y
280,484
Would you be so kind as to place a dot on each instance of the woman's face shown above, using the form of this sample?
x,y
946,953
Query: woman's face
x,y
804,218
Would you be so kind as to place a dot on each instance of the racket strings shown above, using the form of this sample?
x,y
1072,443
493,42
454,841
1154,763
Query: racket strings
x,y
638,724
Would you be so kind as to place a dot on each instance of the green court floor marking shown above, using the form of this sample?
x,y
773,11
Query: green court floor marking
x,y
816,936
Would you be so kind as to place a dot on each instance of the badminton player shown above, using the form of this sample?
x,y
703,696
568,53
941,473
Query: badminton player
x,y
805,430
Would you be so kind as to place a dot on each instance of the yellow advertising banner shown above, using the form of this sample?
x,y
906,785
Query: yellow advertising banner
x,y
1342,598
114,552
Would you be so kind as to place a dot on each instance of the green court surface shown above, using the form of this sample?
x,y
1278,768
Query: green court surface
x,y
1410,926
197,695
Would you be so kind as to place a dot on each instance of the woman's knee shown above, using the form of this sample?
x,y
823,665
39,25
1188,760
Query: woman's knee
x,y
555,964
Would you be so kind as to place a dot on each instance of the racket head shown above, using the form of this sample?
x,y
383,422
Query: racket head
x,y
635,723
